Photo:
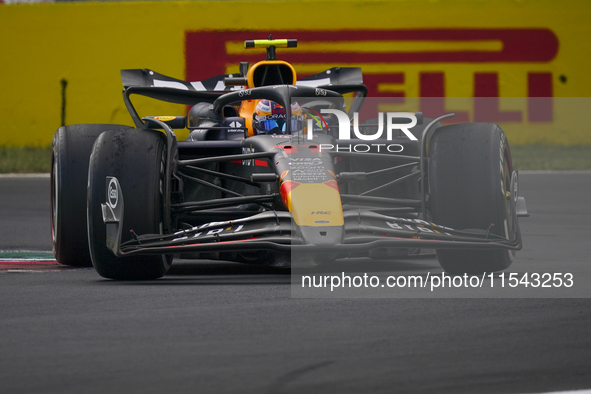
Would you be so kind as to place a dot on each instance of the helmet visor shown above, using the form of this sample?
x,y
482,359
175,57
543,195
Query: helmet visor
x,y
278,124
264,126
297,124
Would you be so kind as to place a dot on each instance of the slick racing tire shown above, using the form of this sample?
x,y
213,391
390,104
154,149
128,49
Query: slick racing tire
x,y
469,182
71,149
137,158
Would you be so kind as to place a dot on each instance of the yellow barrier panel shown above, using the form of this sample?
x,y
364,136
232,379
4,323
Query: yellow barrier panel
x,y
453,48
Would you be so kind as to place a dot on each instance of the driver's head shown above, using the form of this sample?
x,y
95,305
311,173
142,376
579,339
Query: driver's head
x,y
270,118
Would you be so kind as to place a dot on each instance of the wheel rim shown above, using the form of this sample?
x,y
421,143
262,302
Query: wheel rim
x,y
54,198
509,222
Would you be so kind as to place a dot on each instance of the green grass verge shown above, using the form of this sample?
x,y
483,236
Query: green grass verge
x,y
551,157
24,160
525,157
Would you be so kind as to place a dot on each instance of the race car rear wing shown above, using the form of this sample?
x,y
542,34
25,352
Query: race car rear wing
x,y
329,79
151,84
148,78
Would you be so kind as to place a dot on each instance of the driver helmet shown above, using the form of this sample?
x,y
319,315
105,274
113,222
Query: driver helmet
x,y
270,118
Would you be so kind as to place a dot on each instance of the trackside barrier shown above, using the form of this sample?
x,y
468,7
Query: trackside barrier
x,y
61,61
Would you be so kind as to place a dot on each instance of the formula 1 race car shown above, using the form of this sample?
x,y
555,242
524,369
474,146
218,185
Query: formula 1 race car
x,y
279,171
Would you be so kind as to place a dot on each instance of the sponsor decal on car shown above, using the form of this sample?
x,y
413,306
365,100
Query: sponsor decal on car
x,y
219,227
113,193
417,225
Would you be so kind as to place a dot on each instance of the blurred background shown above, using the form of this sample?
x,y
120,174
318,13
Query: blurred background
x,y
530,59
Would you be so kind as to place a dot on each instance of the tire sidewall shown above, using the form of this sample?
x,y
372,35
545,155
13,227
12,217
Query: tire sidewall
x,y
71,148
137,159
469,176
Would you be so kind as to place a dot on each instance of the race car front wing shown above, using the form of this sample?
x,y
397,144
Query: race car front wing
x,y
363,231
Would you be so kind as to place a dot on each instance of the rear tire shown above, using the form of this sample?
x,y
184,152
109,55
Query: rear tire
x,y
137,159
469,177
71,149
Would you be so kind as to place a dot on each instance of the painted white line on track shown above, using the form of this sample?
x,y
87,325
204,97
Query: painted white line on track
x,y
583,391
528,172
543,172
24,251
24,260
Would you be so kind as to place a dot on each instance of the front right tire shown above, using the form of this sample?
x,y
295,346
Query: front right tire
x,y
469,174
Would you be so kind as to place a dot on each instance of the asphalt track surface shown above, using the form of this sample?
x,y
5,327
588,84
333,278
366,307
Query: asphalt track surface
x,y
224,328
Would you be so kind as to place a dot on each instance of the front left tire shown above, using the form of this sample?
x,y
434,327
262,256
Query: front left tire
x,y
137,158
71,148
